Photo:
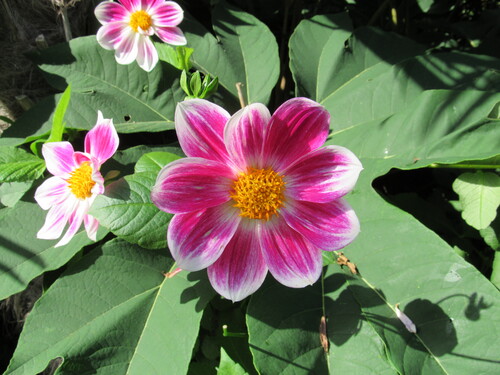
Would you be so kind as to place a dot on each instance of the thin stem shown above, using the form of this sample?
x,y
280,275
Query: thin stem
x,y
240,94
66,25
465,166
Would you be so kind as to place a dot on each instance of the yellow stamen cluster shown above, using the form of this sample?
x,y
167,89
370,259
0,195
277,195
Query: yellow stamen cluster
x,y
140,19
258,193
81,183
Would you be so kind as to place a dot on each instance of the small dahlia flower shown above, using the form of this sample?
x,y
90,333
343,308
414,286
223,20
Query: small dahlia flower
x,y
76,182
128,24
256,193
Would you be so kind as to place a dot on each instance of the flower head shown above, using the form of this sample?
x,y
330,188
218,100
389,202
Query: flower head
x,y
256,193
77,181
128,24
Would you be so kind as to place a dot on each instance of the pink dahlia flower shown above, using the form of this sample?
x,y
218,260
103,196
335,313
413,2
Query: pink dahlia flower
x,y
128,24
256,193
76,182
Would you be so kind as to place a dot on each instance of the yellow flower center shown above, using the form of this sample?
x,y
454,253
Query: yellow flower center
x,y
258,193
81,183
140,19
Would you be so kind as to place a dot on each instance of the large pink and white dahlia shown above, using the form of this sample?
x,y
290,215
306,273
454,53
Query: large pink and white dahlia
x,y
256,193
128,25
76,183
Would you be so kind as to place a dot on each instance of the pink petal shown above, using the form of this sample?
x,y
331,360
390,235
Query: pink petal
x,y
292,259
75,222
147,57
171,35
112,34
200,128
329,226
197,239
109,11
52,192
91,226
323,175
192,184
59,158
241,268
131,5
56,220
127,48
166,13
245,133
298,127
101,142
99,182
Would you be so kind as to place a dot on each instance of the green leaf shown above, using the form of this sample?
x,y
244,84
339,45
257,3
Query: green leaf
x,y
315,46
440,126
495,272
12,192
17,165
244,50
33,124
136,100
285,336
23,256
177,56
227,366
479,195
154,161
114,312
394,110
362,80
392,254
425,5
58,123
126,207
491,234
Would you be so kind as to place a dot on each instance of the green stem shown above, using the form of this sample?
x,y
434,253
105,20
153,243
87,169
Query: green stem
x,y
226,333
465,166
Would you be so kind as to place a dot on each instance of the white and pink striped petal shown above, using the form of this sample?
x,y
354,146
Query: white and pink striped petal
x,y
91,226
171,35
329,226
51,192
75,221
244,135
296,128
323,175
200,129
241,269
56,220
147,57
166,13
292,259
197,239
101,142
192,184
109,11
59,158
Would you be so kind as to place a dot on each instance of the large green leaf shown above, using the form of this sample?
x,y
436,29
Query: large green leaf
x,y
114,312
375,74
329,33
136,100
244,50
401,261
393,113
17,165
126,207
479,195
284,327
23,256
